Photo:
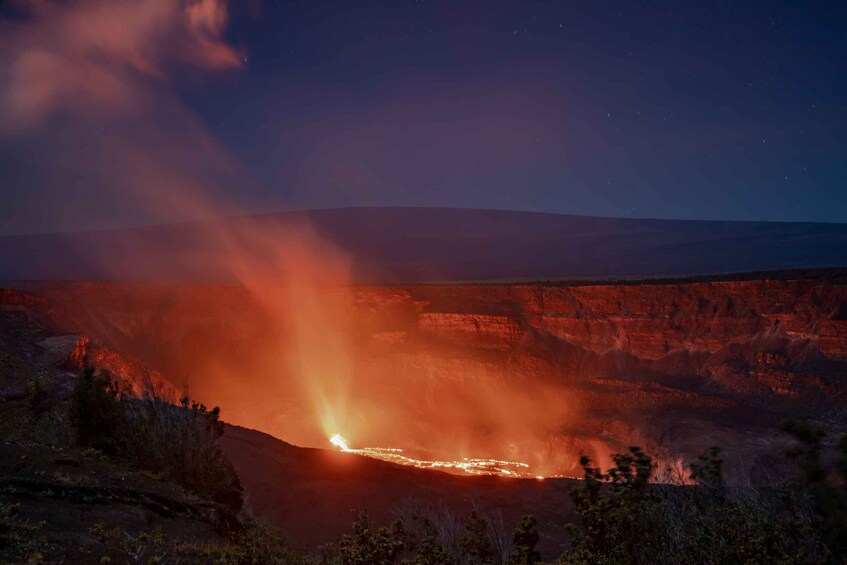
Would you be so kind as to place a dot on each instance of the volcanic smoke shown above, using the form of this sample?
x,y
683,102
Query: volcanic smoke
x,y
312,372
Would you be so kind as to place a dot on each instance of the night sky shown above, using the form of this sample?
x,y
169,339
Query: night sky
x,y
708,110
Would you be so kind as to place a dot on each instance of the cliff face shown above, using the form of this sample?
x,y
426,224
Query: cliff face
x,y
541,373
753,338
647,321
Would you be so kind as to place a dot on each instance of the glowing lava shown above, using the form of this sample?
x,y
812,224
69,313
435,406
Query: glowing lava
x,y
470,466
339,442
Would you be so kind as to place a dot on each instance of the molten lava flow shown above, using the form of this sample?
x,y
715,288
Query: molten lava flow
x,y
339,442
470,466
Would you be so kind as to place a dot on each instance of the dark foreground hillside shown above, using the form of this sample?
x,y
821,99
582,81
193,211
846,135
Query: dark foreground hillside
x,y
313,494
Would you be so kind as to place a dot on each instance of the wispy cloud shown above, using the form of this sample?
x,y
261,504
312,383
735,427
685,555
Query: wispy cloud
x,y
101,56
91,109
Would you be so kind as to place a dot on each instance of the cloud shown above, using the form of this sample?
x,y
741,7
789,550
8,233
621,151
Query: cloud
x,y
102,56
92,119
92,112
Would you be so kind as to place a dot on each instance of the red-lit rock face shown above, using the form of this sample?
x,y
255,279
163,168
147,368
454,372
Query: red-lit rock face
x,y
533,373
137,376
647,321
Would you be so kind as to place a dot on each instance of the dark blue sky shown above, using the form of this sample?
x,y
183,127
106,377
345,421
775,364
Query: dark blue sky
x,y
712,110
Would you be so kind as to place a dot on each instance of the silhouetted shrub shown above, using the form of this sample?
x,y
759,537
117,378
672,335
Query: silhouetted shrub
x,y
416,540
828,497
621,519
179,442
524,539
625,519
476,545
39,397
98,413
366,547
20,541
254,545
423,543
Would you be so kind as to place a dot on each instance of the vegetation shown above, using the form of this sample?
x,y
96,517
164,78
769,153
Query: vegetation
x,y
252,546
179,442
18,538
624,517
420,541
621,515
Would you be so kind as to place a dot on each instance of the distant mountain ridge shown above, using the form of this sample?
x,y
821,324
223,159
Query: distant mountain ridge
x,y
410,245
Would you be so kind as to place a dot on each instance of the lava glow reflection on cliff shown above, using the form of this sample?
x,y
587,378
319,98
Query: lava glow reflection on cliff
x,y
470,466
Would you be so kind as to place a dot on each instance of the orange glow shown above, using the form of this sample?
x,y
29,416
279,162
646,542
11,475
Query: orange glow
x,y
466,465
339,442
291,348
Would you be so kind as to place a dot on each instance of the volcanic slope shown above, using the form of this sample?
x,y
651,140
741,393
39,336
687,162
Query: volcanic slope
x,y
313,495
409,245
